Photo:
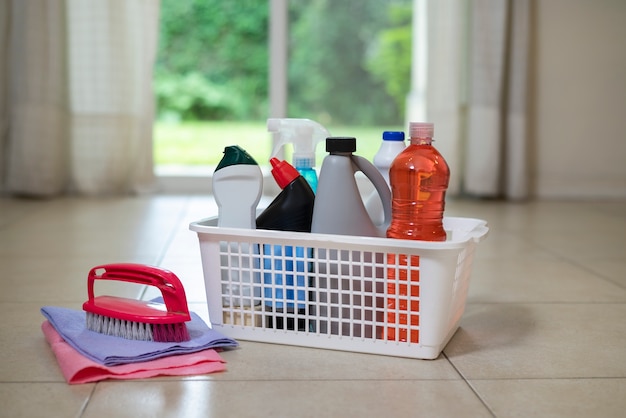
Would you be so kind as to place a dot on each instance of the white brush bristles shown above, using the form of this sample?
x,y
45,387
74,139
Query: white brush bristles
x,y
130,330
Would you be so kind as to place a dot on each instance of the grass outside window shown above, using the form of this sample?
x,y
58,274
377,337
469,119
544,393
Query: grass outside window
x,y
202,143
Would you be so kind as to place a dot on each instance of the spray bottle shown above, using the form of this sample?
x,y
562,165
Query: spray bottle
x,y
304,134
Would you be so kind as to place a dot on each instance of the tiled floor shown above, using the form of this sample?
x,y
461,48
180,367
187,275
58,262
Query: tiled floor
x,y
544,332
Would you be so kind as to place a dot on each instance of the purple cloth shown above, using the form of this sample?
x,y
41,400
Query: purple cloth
x,y
112,351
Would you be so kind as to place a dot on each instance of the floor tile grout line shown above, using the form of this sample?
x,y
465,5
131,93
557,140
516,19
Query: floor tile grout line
x,y
468,383
170,239
83,408
554,302
576,264
22,215
485,379
174,230
597,274
214,378
208,378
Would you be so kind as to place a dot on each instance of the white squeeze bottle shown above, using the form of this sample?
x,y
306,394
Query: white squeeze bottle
x,y
391,145
237,187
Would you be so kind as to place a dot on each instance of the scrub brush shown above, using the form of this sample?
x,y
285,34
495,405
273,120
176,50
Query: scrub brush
x,y
136,319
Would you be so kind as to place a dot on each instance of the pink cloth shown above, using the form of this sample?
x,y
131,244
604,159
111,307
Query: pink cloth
x,y
77,368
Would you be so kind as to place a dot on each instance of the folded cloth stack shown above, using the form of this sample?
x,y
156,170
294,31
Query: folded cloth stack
x,y
86,356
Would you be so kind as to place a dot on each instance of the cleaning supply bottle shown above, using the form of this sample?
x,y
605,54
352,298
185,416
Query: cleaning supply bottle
x,y
285,267
391,145
237,187
304,134
419,179
339,208
292,209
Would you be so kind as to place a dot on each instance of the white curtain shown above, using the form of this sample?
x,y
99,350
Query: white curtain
x,y
76,105
475,91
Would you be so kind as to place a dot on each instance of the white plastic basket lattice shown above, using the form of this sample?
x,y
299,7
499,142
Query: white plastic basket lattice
x,y
362,294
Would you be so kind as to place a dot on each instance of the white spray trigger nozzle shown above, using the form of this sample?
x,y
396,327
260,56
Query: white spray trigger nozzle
x,y
304,134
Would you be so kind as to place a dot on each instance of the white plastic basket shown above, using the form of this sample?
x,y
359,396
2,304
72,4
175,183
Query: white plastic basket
x,y
361,294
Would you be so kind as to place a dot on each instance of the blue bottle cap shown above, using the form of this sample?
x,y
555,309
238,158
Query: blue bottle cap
x,y
393,136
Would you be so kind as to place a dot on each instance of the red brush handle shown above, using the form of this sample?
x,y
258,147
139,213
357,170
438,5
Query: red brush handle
x,y
167,282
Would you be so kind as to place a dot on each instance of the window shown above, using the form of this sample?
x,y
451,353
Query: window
x,y
347,67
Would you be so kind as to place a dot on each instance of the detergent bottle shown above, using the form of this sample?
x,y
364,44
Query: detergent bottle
x,y
304,134
339,208
285,267
391,145
237,187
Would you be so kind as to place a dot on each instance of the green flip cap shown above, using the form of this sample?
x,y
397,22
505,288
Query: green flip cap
x,y
234,154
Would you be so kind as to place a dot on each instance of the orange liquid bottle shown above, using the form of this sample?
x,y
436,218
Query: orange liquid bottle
x,y
419,178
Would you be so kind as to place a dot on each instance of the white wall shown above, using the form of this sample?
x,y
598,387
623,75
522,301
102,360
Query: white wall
x,y
579,99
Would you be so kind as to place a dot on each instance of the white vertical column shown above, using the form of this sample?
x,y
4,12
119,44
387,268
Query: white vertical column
x,y
416,99
444,96
278,32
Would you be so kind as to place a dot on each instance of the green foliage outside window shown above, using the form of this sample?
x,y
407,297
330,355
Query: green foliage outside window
x,y
212,61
